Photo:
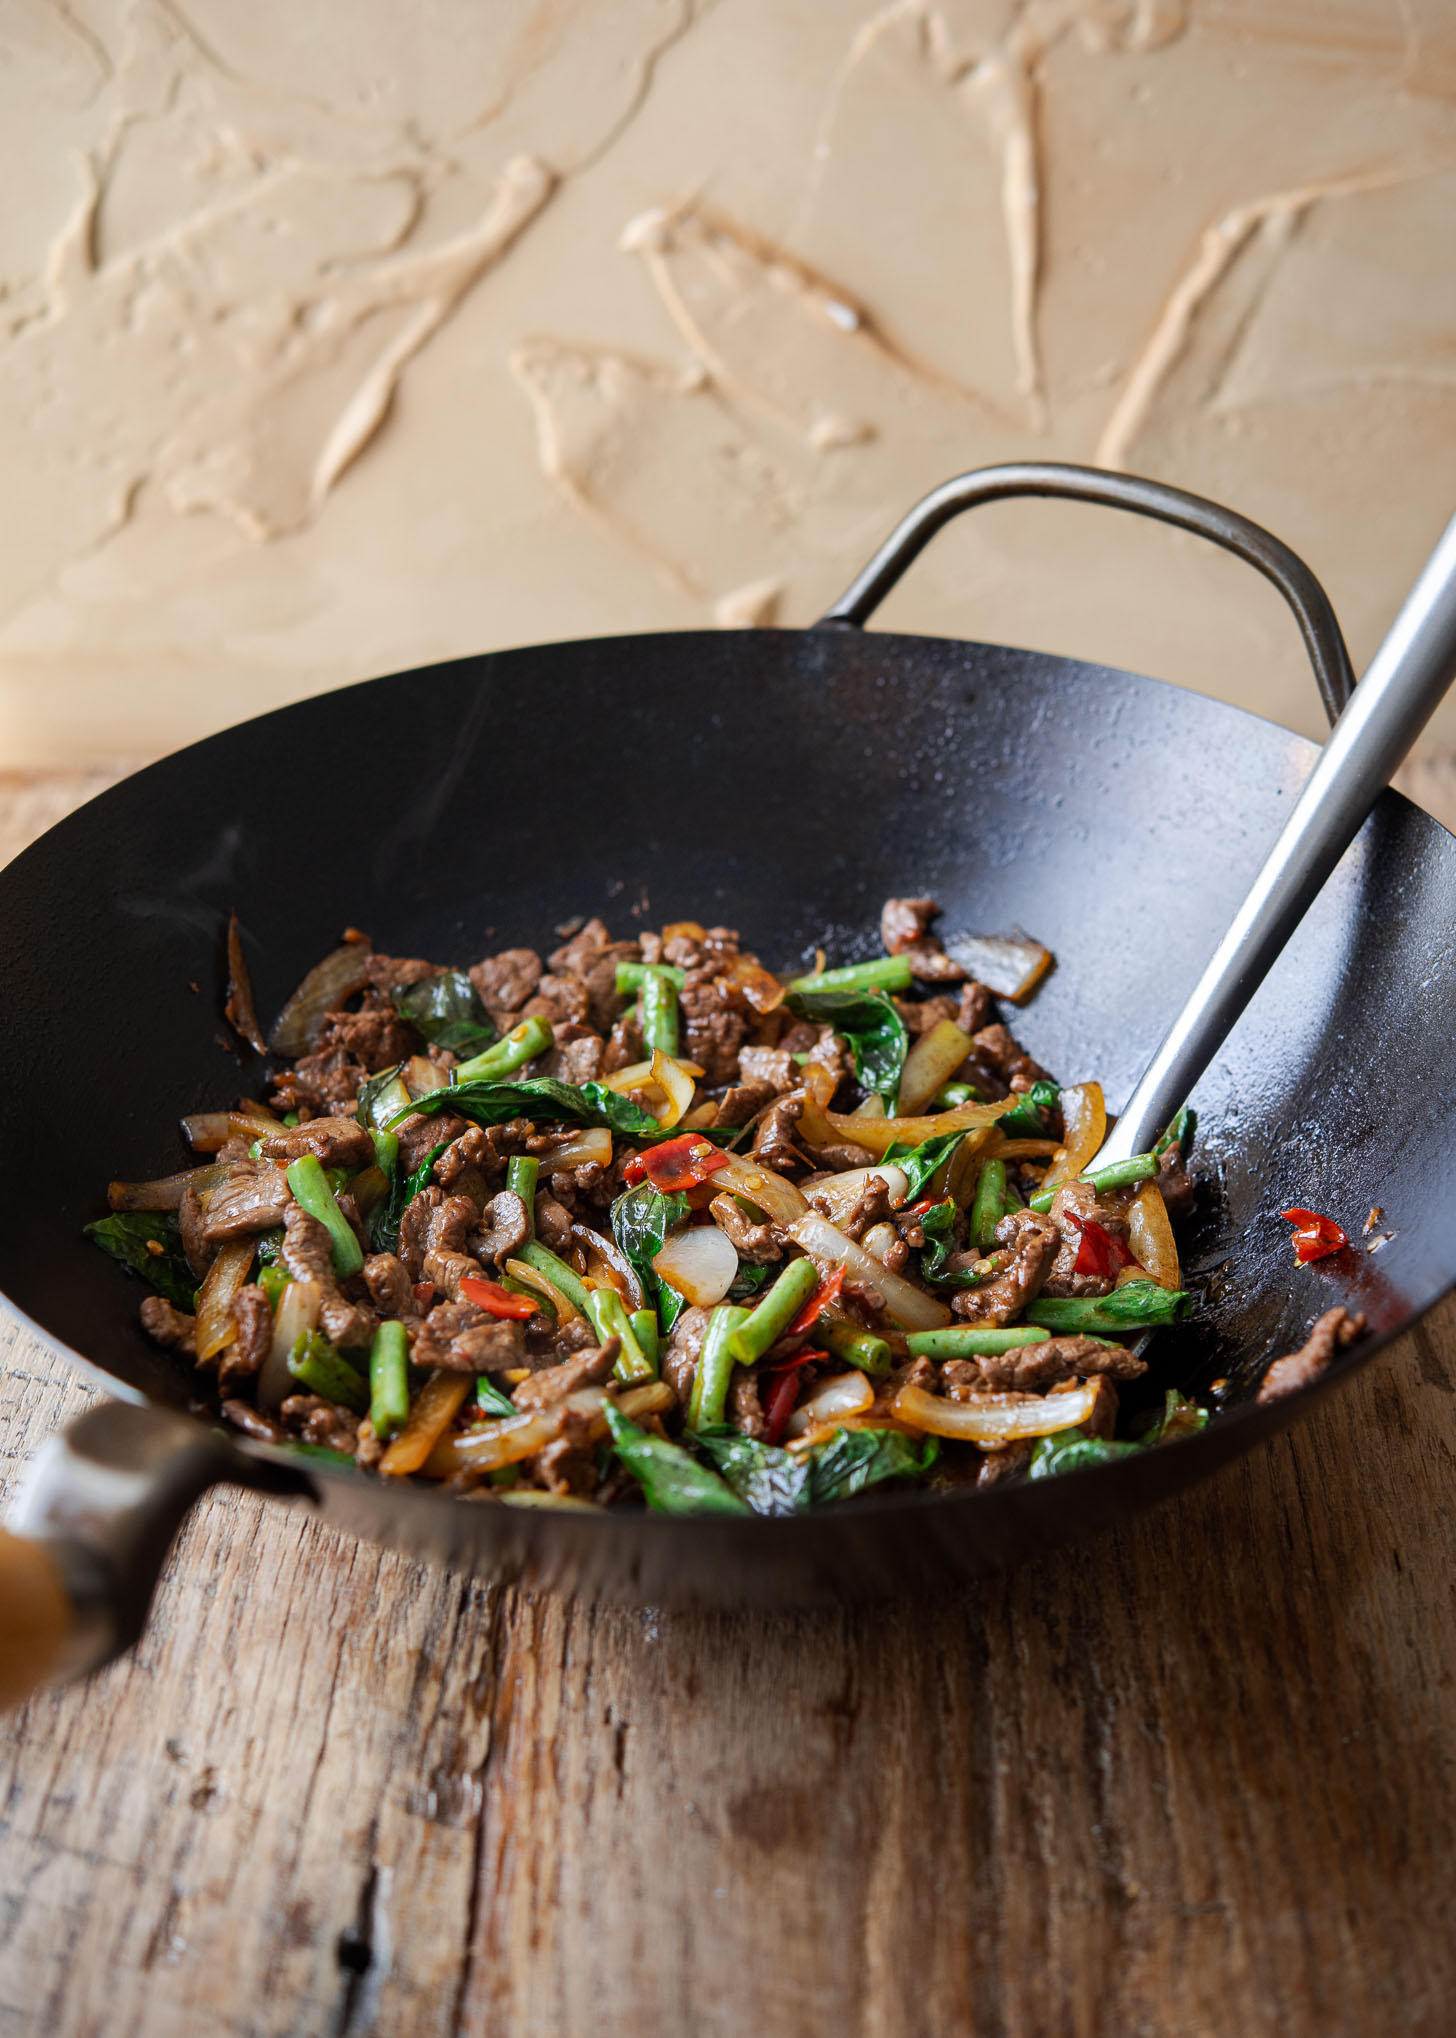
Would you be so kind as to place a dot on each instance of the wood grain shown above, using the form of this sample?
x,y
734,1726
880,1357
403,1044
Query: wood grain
x,y
1193,1777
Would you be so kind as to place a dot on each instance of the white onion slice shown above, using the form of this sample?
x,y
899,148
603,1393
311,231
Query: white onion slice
x,y
908,1306
881,1240
930,1063
993,1419
775,1196
700,1264
1084,1119
592,1146
215,1327
1150,1236
298,1309
842,1192
323,990
167,1192
845,1394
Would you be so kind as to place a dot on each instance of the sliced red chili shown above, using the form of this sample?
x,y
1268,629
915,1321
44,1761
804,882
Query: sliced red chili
x,y
677,1164
634,1170
496,1300
1315,1237
824,1294
926,1203
1099,1251
424,1294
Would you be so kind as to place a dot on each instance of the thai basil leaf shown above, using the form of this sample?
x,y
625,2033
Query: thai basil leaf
x,y
490,1399
446,1008
1069,1450
919,1163
370,1110
642,1218
128,1236
869,1022
853,1459
938,1224
672,1482
746,1282
1180,1418
542,1099
770,1480
1032,1117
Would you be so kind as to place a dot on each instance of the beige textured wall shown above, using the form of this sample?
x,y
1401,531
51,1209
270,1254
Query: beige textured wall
x,y
334,339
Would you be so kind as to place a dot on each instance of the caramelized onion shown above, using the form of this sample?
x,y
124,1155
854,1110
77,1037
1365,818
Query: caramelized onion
x,y
167,1191
591,1147
516,1437
323,990
1150,1236
846,1394
773,1194
207,1130
435,1408
700,1264
1084,1116
533,1278
296,1316
228,1272
239,1010
905,1304
611,1254
1011,965
876,1134
994,1419
930,1063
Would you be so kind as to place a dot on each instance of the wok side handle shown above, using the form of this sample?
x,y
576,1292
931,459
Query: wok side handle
x,y
1310,604
88,1531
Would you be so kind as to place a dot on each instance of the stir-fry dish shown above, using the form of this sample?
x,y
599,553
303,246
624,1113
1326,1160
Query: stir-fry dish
x,y
647,1221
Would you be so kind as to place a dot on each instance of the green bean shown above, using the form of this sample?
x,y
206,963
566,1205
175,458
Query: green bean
x,y
989,1205
659,1012
1139,1306
851,1342
556,1271
522,1044
632,976
715,1368
768,1321
521,1172
608,1318
885,973
389,1380
1141,1167
966,1341
312,1193
644,1329
315,1365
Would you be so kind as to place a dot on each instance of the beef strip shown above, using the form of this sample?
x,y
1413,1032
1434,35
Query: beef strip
x,y
1001,1052
576,1057
715,1023
252,1422
254,1320
625,1046
568,1466
553,1221
1103,1419
171,1328
1007,1463
771,1065
905,930
755,1243
321,1423
374,1036
872,1206
504,982
920,1014
977,1008
1033,1368
255,1197
1032,1241
592,957
192,1222
562,1000
394,972
420,1135
684,1349
389,1285
744,1101
320,1083
457,1337
553,1383
778,1129
1174,1182
504,1229
337,1142
307,1252
446,1260
1076,1203
1329,1334
745,1410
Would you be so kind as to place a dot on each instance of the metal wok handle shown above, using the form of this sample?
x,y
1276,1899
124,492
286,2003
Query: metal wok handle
x,y
1308,600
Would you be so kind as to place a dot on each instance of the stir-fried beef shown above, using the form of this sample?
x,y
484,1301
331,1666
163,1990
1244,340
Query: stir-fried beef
x,y
1330,1333
1174,1182
758,1064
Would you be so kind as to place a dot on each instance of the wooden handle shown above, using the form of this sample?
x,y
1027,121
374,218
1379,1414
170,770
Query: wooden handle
x,y
35,1616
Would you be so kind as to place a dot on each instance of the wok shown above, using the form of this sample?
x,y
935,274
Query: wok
x,y
784,782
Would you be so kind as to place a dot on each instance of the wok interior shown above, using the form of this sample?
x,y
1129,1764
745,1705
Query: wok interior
x,y
783,783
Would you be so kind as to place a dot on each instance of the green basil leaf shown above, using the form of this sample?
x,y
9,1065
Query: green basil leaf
x,y
128,1236
672,1482
869,1022
642,1218
919,1163
770,1480
541,1099
446,1008
853,1459
938,1224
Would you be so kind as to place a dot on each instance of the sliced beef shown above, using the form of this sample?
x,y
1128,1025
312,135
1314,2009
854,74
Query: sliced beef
x,y
447,1260
715,1023
252,1422
1008,1058
625,1046
920,1014
394,972
744,1101
390,1288
771,1065
872,1206
745,1410
592,957
1007,1463
576,1057
374,1036
254,1320
505,981
1074,1204
553,1221
192,1222
977,1008
562,1000
1033,1368
1032,1241
321,1083
337,1142
307,1252
504,1228
905,930
583,1369
322,1423
255,1197
684,1349
420,1135
775,1142
1330,1333
755,1243
456,1337
171,1328
1174,1182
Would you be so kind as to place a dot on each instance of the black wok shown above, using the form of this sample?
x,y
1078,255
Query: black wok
x,y
783,782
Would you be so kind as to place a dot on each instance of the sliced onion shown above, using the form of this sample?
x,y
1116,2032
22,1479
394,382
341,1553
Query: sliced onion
x,y
700,1118
700,1264
611,1254
532,1278
905,1304
516,1437
930,1063
878,1133
773,1194
1150,1236
206,1130
994,1419
842,1192
998,1147
869,1107
881,1240
167,1192
228,1272
323,990
845,1394
389,1100
248,1107
422,1077
674,1081
297,1314
1011,965
763,992
435,1408
238,1010
1084,1116
591,1147
477,1446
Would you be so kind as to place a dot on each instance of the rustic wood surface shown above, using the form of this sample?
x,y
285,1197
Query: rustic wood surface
x,y
1195,1776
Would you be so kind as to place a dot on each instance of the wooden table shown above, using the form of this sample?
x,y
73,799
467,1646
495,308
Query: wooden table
x,y
1193,1777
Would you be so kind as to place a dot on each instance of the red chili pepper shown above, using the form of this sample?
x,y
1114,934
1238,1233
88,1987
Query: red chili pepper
x,y
779,1406
676,1164
926,1203
424,1293
824,1294
1099,1251
1315,1237
496,1300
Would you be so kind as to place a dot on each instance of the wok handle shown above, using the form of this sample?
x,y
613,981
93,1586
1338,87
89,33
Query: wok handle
x,y
89,1527
1311,605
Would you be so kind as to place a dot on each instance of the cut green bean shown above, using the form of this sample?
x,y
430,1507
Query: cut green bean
x,y
1141,1167
556,1271
316,1366
965,1341
312,1193
389,1380
273,1278
855,1345
1180,1132
522,1044
632,976
885,973
1141,1305
644,1329
386,1152
989,1204
521,1172
608,1317
715,1368
659,1012
771,1318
